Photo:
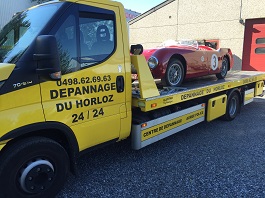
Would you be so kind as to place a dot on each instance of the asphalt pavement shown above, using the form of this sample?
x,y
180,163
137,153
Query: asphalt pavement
x,y
216,159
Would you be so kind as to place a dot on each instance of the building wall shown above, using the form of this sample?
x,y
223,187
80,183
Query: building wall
x,y
193,19
9,7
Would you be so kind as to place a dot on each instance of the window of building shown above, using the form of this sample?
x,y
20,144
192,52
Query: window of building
x,y
260,50
260,41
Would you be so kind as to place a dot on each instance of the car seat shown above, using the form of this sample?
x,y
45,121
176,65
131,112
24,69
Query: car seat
x,y
103,45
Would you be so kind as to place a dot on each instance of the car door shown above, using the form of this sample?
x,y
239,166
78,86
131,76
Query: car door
x,y
196,62
90,96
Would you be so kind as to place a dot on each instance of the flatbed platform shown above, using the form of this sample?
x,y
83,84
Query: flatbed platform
x,y
195,88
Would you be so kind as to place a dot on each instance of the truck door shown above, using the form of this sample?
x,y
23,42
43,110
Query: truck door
x,y
90,97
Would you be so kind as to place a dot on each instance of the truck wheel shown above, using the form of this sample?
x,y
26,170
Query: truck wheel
x,y
174,73
232,107
33,167
224,69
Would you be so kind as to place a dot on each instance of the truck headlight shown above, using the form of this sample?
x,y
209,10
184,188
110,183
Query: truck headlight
x,y
152,62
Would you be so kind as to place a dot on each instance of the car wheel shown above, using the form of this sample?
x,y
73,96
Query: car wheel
x,y
224,69
174,73
33,167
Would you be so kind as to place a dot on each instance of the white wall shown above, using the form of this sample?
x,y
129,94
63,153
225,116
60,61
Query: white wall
x,y
198,19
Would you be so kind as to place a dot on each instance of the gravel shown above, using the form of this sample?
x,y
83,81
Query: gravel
x,y
216,159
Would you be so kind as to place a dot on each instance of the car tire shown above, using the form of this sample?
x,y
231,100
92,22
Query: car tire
x,y
174,75
224,69
33,167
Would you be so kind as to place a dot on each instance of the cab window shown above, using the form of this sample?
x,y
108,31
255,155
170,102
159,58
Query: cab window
x,y
85,37
97,40
67,42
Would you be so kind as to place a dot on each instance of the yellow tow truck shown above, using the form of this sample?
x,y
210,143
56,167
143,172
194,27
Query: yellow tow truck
x,y
66,87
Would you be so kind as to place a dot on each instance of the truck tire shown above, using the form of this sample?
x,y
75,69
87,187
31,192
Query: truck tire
x,y
33,167
232,107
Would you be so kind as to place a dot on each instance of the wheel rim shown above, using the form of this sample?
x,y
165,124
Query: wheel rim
x,y
233,107
175,74
224,67
36,176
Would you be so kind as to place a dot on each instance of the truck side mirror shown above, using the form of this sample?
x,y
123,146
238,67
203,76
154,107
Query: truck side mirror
x,y
47,57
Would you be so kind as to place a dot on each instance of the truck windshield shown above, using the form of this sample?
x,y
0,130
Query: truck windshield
x,y
19,33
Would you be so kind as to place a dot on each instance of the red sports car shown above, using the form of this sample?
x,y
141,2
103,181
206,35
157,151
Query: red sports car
x,y
175,61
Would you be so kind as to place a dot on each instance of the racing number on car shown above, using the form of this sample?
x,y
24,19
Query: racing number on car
x,y
214,62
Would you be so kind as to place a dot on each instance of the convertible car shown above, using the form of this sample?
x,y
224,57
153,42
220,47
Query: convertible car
x,y
174,61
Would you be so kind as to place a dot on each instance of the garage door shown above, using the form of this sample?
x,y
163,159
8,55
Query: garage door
x,y
254,45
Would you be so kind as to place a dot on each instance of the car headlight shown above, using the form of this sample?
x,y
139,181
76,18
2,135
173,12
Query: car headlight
x,y
152,62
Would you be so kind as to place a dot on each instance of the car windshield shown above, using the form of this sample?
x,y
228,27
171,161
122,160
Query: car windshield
x,y
192,43
19,33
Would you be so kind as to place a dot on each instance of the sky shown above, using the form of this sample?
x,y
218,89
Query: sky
x,y
140,6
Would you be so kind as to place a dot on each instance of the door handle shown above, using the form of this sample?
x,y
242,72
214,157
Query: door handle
x,y
120,84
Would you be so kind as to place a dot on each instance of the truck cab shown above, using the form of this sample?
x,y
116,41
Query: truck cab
x,y
66,87
90,73
65,76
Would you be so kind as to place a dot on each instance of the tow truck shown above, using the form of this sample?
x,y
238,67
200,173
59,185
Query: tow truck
x,y
66,88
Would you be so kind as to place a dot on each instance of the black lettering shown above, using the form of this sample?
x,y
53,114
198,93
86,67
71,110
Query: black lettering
x,y
218,88
70,91
79,103
74,116
151,132
77,92
107,87
100,88
105,99
93,89
85,90
113,86
86,102
63,93
68,107
110,98
59,107
93,101
192,95
95,111
101,112
194,115
54,94
98,101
